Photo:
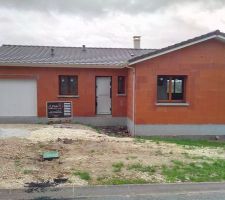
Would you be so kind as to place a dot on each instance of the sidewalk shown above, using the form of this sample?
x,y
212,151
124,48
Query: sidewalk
x,y
117,192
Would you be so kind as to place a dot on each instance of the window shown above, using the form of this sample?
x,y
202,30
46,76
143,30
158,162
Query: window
x,y
171,88
68,85
121,84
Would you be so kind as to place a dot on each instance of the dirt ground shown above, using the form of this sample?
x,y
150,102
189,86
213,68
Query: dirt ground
x,y
82,148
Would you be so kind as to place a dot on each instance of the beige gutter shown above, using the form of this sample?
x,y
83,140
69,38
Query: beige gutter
x,y
134,87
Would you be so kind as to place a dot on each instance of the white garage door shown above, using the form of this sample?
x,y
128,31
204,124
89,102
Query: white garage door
x,y
18,97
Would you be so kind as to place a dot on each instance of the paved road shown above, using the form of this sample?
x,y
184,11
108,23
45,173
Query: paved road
x,y
187,191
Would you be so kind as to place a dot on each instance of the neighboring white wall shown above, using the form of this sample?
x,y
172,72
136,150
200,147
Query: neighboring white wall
x,y
18,97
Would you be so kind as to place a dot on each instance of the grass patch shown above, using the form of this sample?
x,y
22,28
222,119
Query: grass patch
x,y
27,171
18,165
121,181
89,125
201,158
98,130
139,139
142,168
195,171
92,151
182,141
186,155
131,157
83,175
158,153
17,162
41,145
117,167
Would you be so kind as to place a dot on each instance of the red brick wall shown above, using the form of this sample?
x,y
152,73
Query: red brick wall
x,y
204,65
48,87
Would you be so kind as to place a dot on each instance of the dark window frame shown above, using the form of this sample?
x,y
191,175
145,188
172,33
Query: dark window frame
x,y
171,78
69,87
121,91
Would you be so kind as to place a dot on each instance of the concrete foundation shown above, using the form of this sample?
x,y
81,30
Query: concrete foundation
x,y
130,126
94,121
206,129
134,129
22,120
101,121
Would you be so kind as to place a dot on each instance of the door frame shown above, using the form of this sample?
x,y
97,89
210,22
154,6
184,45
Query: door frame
x,y
96,77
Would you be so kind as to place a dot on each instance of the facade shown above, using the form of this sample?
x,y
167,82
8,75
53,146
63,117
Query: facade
x,y
177,90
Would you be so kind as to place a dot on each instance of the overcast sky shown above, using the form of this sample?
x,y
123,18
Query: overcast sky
x,y
107,23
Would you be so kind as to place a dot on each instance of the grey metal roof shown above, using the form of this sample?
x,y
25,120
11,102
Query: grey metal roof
x,y
22,54
216,33
91,56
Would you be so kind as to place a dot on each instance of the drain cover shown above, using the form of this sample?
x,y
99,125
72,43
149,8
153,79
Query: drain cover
x,y
50,155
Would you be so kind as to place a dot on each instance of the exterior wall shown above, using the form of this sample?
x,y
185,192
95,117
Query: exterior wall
x,y
130,94
204,113
204,65
48,87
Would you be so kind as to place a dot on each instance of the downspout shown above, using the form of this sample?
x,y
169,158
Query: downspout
x,y
133,88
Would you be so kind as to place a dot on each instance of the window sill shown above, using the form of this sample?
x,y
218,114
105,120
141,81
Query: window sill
x,y
121,95
68,96
172,104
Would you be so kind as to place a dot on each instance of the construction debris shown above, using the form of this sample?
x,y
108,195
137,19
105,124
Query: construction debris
x,y
65,140
83,150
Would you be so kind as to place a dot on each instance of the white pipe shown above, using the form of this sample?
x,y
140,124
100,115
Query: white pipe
x,y
134,86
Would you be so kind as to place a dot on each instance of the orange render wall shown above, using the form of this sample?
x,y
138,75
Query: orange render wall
x,y
48,87
204,65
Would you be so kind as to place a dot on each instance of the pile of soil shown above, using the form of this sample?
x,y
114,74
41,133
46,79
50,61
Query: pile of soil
x,y
82,148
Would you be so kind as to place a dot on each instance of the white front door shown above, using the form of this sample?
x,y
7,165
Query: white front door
x,y
103,95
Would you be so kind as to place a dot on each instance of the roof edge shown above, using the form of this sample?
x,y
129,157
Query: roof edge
x,y
100,66
215,34
78,47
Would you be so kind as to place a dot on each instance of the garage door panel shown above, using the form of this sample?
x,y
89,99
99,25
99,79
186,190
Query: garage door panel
x,y
18,97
